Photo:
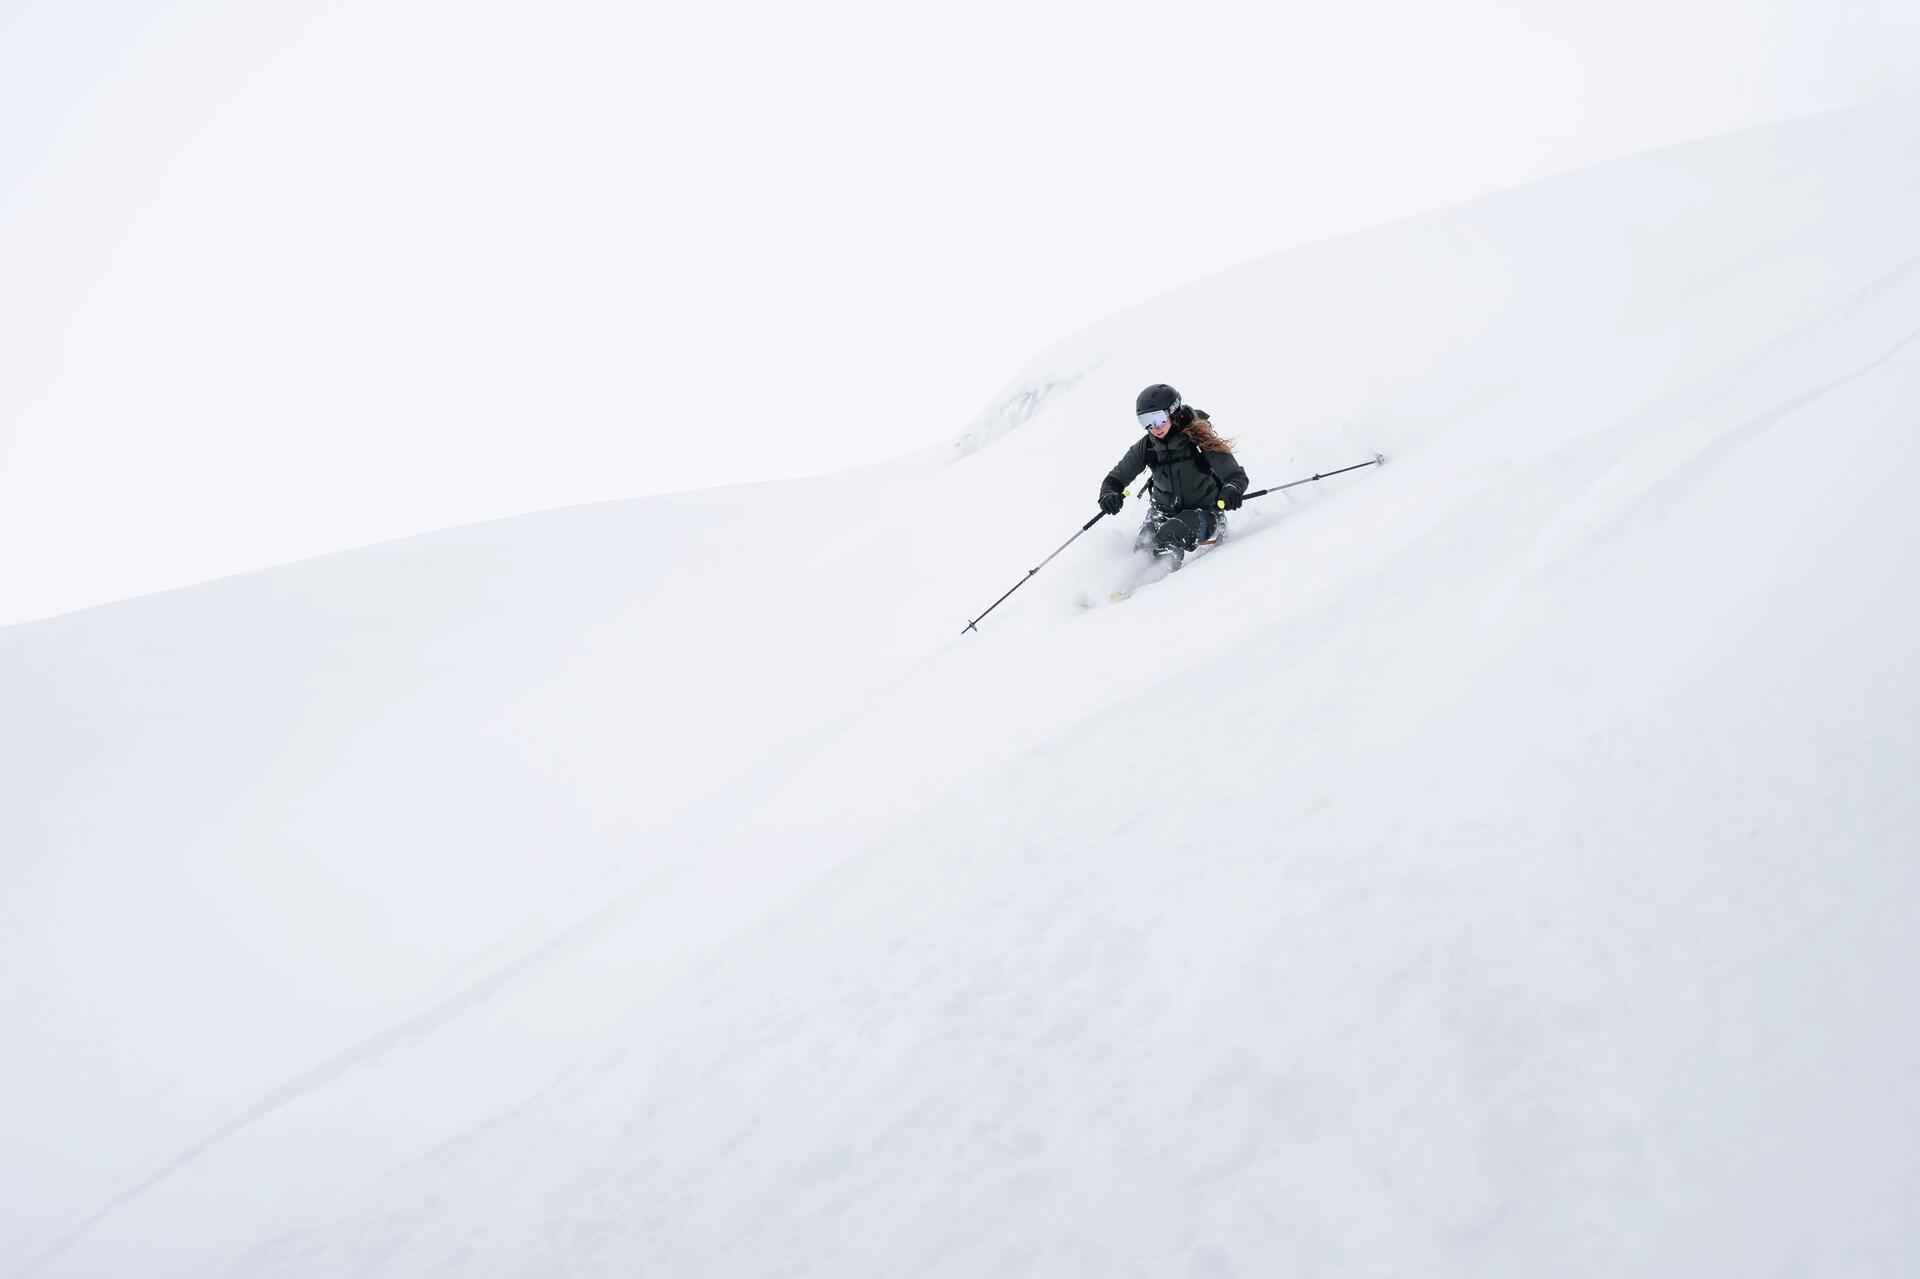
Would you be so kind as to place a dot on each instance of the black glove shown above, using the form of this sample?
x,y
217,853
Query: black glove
x,y
1230,496
1111,500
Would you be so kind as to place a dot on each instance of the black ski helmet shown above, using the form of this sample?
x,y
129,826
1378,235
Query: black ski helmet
x,y
1159,396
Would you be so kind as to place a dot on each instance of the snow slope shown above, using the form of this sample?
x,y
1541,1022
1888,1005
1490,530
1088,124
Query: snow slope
x,y
1500,862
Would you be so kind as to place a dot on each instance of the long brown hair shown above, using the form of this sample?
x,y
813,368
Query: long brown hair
x,y
1201,432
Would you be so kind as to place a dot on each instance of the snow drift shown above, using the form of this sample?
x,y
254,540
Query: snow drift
x,y
1500,862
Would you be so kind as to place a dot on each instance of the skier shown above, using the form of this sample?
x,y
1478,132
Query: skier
x,y
1195,476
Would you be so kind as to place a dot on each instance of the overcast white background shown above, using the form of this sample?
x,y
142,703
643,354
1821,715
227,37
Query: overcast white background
x,y
285,278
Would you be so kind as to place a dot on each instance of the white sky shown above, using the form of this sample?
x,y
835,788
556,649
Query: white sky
x,y
285,278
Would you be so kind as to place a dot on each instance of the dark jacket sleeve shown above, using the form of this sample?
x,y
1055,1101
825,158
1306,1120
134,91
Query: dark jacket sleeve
x,y
1227,470
1132,462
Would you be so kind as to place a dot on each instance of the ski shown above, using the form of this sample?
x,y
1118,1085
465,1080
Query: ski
x,y
1140,575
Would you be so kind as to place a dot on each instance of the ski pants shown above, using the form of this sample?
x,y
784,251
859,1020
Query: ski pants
x,y
1197,526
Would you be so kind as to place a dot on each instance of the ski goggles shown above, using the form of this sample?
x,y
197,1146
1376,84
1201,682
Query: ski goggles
x,y
1157,418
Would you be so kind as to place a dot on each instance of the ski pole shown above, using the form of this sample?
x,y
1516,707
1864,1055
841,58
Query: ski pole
x,y
1035,569
1378,459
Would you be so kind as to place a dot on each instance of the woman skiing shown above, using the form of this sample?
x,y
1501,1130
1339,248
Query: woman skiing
x,y
1195,476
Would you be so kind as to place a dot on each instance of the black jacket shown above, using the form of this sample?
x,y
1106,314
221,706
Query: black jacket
x,y
1185,476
